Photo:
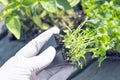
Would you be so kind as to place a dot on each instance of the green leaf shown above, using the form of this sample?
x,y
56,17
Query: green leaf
x,y
18,1
37,21
13,25
49,5
29,3
73,2
18,14
101,59
34,8
5,2
8,10
28,12
63,4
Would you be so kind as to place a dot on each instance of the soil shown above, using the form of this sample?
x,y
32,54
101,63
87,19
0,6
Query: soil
x,y
61,46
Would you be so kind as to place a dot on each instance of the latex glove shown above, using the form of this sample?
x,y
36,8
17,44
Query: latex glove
x,y
25,65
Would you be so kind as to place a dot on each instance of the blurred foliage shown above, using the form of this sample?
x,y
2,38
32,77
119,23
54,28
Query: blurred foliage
x,y
17,11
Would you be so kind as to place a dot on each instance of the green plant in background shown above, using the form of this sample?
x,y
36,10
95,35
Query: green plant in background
x,y
105,16
102,30
16,11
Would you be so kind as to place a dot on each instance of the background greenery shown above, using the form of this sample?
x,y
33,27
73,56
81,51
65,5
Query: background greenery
x,y
16,12
100,33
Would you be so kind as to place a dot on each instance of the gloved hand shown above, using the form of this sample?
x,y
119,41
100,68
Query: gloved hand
x,y
25,65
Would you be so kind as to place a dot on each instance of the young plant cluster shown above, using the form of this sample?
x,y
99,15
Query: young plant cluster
x,y
16,11
102,32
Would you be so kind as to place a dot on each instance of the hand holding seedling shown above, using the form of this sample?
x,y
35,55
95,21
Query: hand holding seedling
x,y
27,65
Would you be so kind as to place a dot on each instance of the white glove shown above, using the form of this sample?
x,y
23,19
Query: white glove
x,y
25,65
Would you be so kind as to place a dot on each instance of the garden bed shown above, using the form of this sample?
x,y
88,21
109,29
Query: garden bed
x,y
109,70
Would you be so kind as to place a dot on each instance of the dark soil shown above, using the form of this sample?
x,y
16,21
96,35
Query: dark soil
x,y
61,46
